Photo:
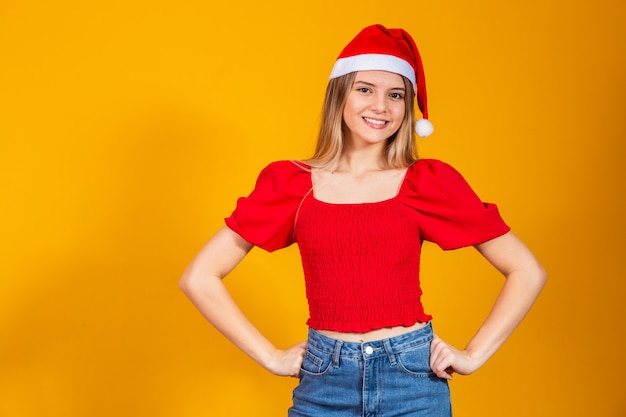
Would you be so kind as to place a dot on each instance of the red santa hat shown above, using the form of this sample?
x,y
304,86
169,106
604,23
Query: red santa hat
x,y
393,50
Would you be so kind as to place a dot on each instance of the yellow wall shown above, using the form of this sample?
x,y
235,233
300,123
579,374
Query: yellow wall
x,y
128,129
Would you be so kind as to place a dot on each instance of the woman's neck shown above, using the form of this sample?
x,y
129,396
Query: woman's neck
x,y
361,161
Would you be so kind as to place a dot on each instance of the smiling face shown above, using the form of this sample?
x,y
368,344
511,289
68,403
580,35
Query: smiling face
x,y
374,109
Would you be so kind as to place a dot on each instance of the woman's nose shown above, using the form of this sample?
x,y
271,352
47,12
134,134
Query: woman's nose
x,y
379,103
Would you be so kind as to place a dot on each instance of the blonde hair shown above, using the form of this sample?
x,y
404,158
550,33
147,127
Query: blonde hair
x,y
400,150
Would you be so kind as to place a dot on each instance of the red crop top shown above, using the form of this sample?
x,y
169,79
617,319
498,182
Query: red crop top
x,y
361,261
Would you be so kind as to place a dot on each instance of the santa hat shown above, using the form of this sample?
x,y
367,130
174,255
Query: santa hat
x,y
393,50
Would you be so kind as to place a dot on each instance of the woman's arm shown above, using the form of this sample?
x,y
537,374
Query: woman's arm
x,y
525,278
202,283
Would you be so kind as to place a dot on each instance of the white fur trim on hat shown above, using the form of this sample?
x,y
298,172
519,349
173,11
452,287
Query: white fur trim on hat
x,y
371,62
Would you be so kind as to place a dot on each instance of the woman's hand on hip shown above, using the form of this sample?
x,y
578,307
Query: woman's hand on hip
x,y
446,360
287,362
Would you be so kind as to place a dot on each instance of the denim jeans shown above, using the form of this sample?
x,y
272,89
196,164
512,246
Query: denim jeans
x,y
384,378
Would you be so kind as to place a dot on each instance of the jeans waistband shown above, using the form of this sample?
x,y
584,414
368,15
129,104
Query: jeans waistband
x,y
372,349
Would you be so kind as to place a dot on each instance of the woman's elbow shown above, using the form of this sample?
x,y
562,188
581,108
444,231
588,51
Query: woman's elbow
x,y
538,276
543,276
198,282
188,282
184,283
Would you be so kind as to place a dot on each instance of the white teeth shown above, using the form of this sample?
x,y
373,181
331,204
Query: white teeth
x,y
374,121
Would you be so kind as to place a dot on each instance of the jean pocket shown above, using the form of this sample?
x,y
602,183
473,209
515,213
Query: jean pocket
x,y
316,362
416,361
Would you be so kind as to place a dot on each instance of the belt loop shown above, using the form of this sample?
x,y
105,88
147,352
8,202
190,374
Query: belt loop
x,y
336,353
390,354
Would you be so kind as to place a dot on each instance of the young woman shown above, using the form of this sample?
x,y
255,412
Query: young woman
x,y
359,210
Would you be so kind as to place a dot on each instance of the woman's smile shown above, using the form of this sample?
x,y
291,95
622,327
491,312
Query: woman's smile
x,y
376,123
375,108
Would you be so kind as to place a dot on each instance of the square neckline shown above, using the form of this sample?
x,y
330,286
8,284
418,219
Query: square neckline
x,y
311,192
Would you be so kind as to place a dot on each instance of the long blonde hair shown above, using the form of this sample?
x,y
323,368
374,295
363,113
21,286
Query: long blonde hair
x,y
400,150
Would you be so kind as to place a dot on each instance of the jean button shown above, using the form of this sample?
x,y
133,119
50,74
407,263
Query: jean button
x,y
369,350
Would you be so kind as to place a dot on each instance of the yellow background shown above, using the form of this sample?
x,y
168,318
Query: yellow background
x,y
129,128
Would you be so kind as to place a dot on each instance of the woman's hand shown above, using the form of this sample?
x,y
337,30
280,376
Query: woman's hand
x,y
525,277
287,362
202,282
446,360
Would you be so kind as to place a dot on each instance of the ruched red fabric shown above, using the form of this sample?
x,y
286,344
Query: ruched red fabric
x,y
361,261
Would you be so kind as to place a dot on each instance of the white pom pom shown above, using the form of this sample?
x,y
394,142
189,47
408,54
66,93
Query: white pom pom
x,y
424,128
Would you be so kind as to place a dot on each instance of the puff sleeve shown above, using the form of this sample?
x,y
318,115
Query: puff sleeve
x,y
449,212
266,217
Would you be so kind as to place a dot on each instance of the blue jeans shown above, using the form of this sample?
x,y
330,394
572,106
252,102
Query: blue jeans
x,y
384,378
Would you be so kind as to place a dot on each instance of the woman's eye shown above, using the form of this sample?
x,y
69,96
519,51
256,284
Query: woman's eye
x,y
397,96
363,89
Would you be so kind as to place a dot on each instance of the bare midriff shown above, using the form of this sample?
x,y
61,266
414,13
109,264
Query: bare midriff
x,y
377,334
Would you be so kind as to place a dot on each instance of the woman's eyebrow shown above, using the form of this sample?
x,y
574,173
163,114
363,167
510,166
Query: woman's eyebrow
x,y
374,85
